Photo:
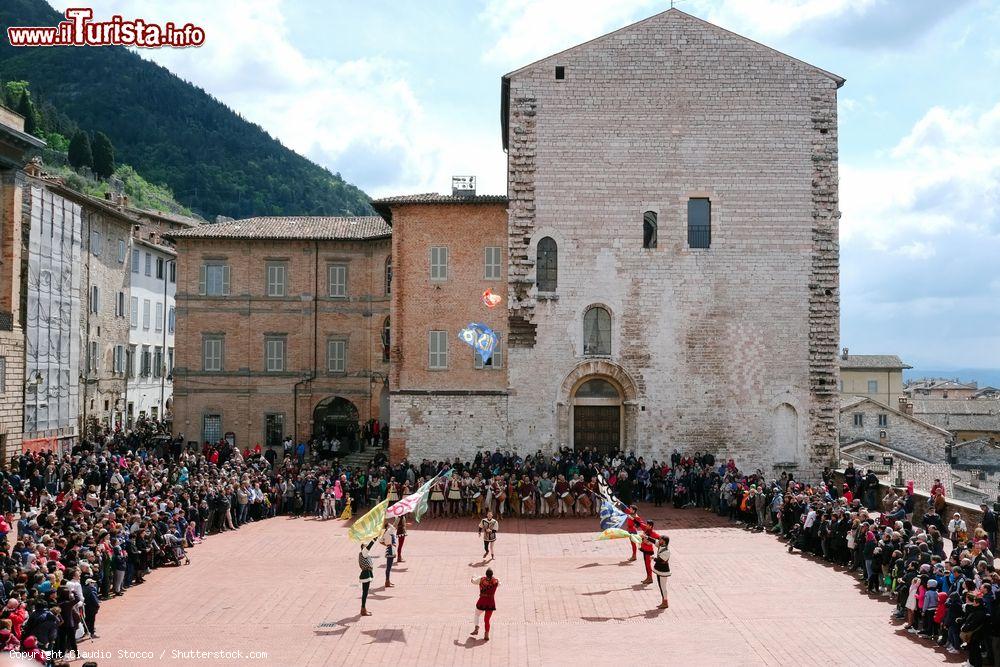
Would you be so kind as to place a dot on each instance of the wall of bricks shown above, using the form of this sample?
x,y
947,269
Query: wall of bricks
x,y
907,435
12,340
427,422
715,340
244,393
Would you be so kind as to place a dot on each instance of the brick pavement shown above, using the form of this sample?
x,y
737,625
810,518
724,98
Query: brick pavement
x,y
736,598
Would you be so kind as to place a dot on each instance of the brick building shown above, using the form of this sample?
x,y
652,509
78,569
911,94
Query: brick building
x,y
447,250
672,255
280,328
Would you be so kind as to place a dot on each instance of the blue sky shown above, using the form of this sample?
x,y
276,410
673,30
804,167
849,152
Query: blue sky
x,y
398,96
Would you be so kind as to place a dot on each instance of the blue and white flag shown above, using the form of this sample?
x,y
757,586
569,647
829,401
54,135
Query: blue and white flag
x,y
480,338
611,516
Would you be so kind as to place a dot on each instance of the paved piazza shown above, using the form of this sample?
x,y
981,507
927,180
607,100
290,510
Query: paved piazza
x,y
735,598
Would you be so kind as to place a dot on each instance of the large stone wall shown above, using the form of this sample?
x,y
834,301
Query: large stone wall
x,y
721,344
447,425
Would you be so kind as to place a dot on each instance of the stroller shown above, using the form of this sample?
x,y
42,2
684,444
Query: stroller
x,y
172,552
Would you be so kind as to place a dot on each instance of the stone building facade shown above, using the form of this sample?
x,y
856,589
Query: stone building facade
x,y
678,186
875,376
866,419
280,328
447,250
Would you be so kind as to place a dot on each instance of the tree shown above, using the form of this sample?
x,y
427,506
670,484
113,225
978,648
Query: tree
x,y
27,109
79,151
104,156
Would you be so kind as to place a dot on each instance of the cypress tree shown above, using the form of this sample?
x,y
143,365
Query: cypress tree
x,y
104,156
27,109
79,151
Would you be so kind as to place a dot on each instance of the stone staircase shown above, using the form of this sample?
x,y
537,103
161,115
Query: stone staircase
x,y
359,459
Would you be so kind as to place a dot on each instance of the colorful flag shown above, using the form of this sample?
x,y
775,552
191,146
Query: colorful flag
x,y
611,517
491,300
422,504
480,338
411,502
617,534
369,526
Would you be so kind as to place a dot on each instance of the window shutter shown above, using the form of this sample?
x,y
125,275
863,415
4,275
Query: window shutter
x,y
202,280
477,361
497,356
225,279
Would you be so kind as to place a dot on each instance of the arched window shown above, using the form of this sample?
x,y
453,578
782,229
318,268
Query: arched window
x,y
649,229
385,340
388,275
547,266
597,331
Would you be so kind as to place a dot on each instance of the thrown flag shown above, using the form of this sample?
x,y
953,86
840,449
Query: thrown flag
x,y
480,338
491,300
611,516
617,534
369,526
422,502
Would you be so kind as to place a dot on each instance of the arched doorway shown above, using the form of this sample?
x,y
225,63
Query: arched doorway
x,y
597,416
336,417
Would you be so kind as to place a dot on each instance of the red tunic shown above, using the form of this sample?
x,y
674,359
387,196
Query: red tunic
x,y
487,591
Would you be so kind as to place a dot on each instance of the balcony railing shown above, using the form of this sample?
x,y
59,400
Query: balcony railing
x,y
699,236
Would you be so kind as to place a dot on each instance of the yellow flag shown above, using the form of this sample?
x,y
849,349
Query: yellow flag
x,y
369,526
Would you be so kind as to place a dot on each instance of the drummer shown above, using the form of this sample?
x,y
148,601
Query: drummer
x,y
562,492
545,492
527,492
499,488
579,491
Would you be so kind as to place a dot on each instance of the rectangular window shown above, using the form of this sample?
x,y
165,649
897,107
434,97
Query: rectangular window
x,y
438,350
119,361
211,354
159,317
146,363
560,72
859,419
873,386
337,279
277,273
145,314
439,263
120,305
95,243
130,361
170,360
135,261
496,361
93,356
95,299
149,265
173,271
883,420
135,312
699,223
274,354
492,263
159,268
157,361
211,430
336,355
171,320
122,247
214,279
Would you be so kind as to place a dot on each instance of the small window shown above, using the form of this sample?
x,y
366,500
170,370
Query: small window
x,y
438,350
388,275
385,340
336,355
159,268
120,305
873,386
277,275
145,363
145,314
130,362
492,263
214,279
170,361
173,271
171,320
547,265
496,361
95,243
859,419
135,261
149,265
157,361
134,319
699,223
560,72
212,350
597,331
93,356
883,420
159,317
439,263
337,279
649,229
274,353
121,251
95,299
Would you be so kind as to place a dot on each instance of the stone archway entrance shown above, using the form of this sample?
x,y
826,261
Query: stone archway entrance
x,y
335,417
597,416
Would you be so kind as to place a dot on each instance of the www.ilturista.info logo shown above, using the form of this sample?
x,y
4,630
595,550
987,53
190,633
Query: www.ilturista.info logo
x,y
79,30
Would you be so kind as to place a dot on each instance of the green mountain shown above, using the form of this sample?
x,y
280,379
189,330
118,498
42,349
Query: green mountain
x,y
170,131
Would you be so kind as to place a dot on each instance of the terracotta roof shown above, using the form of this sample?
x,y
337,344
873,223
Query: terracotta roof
x,y
171,217
291,228
384,205
889,361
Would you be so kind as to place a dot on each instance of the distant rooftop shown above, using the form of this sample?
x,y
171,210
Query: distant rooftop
x,y
384,205
872,361
291,228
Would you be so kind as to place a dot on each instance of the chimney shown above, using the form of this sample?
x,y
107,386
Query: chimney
x,y
844,354
463,186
